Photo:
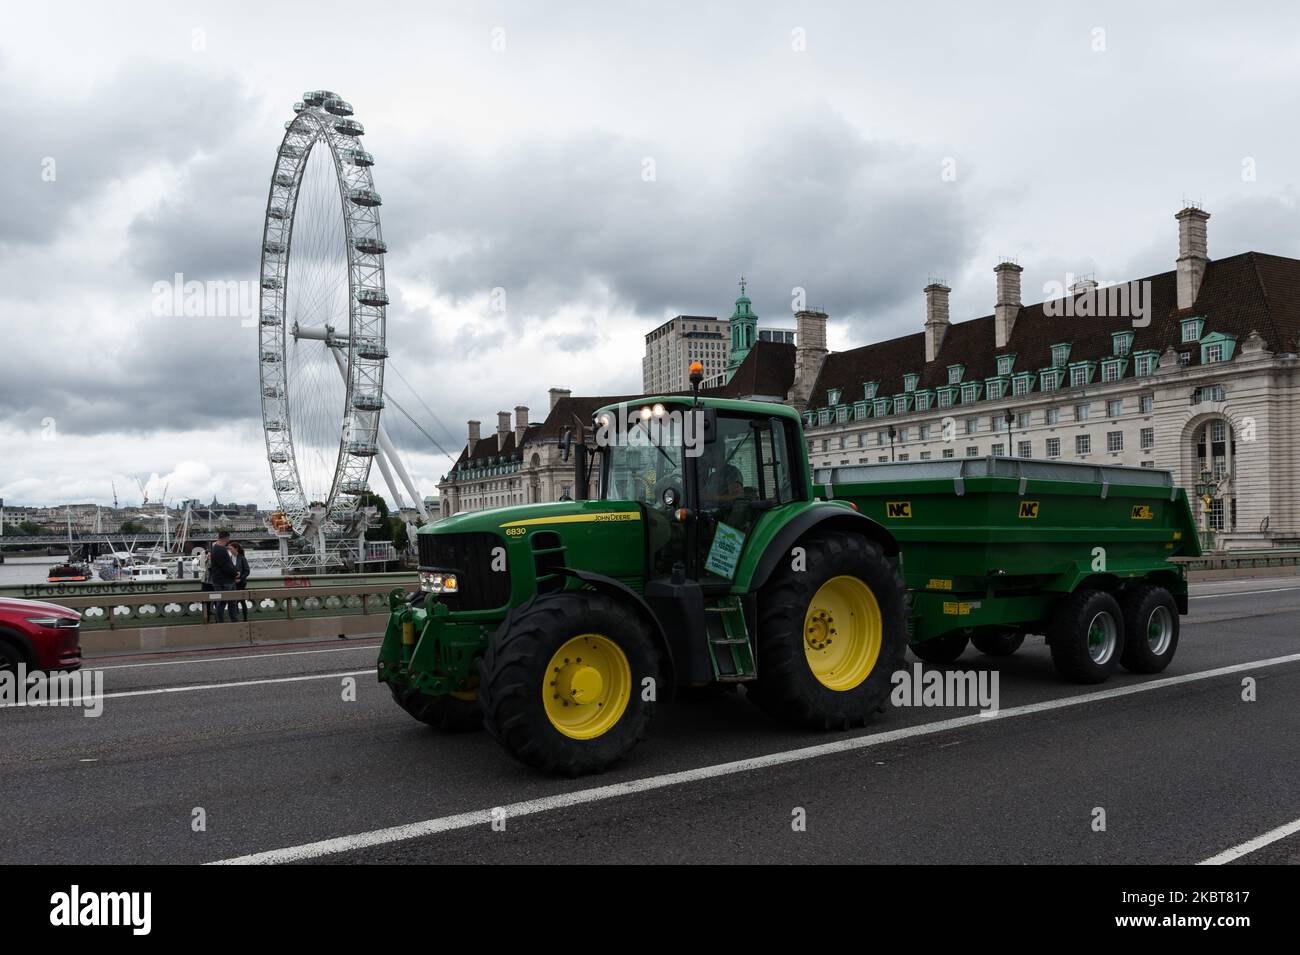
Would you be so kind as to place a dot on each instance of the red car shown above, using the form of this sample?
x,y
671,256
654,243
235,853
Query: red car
x,y
41,635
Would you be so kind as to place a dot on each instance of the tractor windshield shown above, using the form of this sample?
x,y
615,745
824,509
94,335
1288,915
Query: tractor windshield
x,y
642,472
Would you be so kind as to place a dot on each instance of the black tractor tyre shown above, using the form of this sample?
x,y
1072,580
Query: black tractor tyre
x,y
942,650
1079,656
1150,629
513,679
448,713
787,687
998,644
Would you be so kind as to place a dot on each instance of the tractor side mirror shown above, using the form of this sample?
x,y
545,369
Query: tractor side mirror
x,y
566,446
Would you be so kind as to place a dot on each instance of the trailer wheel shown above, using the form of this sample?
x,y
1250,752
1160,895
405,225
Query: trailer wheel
x,y
1151,626
452,713
564,681
830,636
942,649
998,644
1087,636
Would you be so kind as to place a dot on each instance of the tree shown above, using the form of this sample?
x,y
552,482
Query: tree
x,y
131,527
382,529
31,529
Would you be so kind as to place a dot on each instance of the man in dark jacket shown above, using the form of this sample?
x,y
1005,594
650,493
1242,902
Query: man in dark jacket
x,y
224,574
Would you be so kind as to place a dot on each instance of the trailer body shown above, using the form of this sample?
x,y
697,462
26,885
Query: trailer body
x,y
992,544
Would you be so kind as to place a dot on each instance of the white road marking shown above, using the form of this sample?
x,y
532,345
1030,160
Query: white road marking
x,y
154,691
247,656
1259,842
1243,593
428,827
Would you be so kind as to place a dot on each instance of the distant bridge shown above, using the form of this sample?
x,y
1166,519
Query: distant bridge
x,y
115,541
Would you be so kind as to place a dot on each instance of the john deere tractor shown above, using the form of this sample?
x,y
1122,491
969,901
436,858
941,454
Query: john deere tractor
x,y
701,561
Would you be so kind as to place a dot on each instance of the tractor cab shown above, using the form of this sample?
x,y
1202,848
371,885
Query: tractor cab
x,y
703,475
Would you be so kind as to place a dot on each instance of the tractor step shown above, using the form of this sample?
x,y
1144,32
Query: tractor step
x,y
729,646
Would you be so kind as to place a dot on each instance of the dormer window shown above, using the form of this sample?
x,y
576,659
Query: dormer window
x,y
869,389
861,410
954,373
833,396
1050,379
1192,329
1022,384
909,382
923,400
1121,343
1060,355
1144,363
993,388
970,392
1005,363
1080,374
882,407
1217,346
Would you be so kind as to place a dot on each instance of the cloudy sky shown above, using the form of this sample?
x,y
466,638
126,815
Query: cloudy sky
x,y
607,166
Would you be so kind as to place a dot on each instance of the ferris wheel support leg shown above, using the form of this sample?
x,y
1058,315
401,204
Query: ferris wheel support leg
x,y
382,461
386,445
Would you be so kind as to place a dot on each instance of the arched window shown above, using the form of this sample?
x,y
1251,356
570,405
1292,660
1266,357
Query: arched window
x,y
1215,448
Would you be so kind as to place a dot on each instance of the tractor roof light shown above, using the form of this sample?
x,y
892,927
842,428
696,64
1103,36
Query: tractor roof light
x,y
658,410
646,413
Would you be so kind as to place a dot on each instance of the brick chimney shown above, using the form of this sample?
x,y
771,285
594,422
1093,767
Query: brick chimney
x,y
936,318
557,394
809,354
1008,304
503,428
473,436
1192,254
521,425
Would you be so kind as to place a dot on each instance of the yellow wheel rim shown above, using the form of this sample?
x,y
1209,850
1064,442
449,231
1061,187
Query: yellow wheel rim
x,y
842,633
587,686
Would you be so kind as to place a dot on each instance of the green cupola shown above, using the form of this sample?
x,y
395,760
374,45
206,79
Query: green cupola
x,y
744,331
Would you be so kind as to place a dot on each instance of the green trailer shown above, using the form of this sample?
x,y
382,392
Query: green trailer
x,y
994,548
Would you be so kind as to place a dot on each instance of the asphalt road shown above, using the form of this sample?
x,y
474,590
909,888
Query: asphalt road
x,y
265,744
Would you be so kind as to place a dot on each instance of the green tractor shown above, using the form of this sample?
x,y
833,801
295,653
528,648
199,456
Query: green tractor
x,y
702,562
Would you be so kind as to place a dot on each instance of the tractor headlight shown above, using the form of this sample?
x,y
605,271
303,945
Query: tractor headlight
x,y
437,582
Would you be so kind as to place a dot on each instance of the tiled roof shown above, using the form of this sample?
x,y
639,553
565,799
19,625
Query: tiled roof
x,y
768,369
1246,292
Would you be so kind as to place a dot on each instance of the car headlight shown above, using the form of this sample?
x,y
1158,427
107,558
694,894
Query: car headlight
x,y
436,582
54,621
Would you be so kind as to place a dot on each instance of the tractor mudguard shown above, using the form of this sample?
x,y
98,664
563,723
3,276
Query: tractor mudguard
x,y
824,518
620,591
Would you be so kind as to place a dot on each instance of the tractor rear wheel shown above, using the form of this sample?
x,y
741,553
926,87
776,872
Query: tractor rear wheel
x,y
1087,636
943,649
569,681
998,644
830,635
452,713
1150,627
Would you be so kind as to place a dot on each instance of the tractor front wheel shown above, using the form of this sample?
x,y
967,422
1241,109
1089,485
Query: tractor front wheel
x,y
569,681
830,635
452,713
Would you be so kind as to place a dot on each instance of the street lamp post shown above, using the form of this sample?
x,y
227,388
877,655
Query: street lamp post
x,y
1010,419
892,435
1206,490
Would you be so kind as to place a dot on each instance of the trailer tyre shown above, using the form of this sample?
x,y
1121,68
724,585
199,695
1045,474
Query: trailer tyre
x,y
449,713
1151,628
998,644
830,635
565,680
1086,636
942,649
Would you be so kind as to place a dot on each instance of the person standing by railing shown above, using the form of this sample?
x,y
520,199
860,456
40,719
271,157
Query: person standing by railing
x,y
222,567
241,580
